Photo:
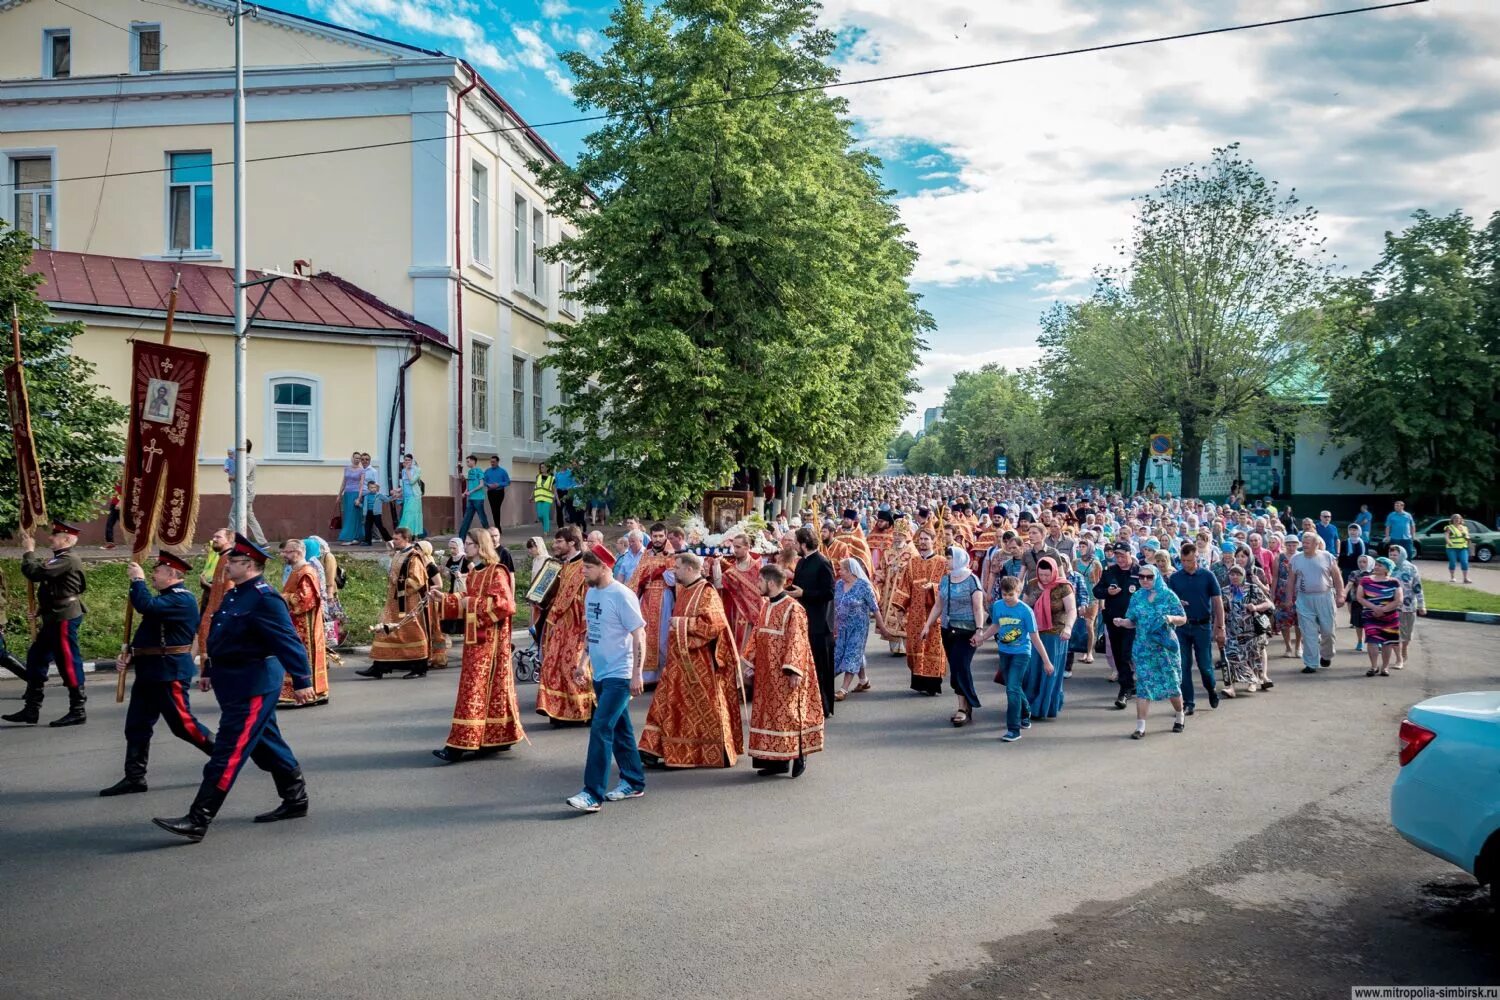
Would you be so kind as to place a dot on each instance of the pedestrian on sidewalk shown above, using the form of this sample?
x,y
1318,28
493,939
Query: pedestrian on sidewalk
x,y
496,482
543,493
616,635
254,525
412,490
373,504
351,485
60,586
1413,601
473,496
1319,588
1456,546
113,519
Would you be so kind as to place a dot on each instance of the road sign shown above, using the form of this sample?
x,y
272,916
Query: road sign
x,y
1161,445
1002,466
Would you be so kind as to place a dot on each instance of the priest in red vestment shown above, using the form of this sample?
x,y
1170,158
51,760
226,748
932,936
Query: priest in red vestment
x,y
560,695
914,594
786,709
304,599
738,579
651,590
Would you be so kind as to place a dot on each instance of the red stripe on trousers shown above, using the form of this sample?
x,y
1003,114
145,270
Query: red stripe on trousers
x,y
188,722
65,658
238,755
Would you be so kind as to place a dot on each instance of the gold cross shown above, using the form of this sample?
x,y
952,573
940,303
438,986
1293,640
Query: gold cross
x,y
166,365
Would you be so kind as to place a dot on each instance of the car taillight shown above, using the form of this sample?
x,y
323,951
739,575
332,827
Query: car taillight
x,y
1413,738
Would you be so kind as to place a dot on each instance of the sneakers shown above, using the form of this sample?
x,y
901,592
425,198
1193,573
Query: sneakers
x,y
1025,723
624,790
1178,726
584,802
1009,736
1309,670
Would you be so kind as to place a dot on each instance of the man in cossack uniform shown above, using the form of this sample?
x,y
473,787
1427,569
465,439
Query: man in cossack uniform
x,y
162,654
60,587
251,645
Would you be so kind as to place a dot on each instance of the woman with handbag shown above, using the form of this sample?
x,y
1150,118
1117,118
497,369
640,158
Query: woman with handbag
x,y
1247,624
958,612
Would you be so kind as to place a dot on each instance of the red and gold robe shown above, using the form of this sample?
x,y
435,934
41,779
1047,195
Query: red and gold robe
x,y
558,696
880,542
437,640
694,720
651,589
851,545
891,622
217,588
740,589
915,593
305,602
486,712
401,635
786,720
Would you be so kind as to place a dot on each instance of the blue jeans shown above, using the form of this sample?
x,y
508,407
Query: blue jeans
x,y
611,732
1015,667
1196,640
1457,558
472,507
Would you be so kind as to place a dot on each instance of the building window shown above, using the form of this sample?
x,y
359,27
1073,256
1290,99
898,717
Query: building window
x,y
294,418
31,180
536,400
518,398
538,243
522,213
568,299
479,385
190,202
479,211
57,54
145,48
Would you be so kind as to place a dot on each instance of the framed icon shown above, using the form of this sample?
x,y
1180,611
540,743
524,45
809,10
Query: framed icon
x,y
723,509
544,582
161,401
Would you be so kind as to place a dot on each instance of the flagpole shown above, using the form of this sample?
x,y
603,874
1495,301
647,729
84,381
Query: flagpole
x,y
15,347
240,345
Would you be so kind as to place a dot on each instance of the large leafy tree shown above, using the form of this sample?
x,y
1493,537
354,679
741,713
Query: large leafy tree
x,y
1412,364
987,413
1219,299
75,423
745,270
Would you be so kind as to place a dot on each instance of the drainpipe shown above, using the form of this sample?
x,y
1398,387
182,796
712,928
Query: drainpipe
x,y
458,246
398,412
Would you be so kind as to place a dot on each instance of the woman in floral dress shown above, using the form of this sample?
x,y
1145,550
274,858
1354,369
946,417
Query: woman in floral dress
x,y
1380,596
853,604
1154,613
1245,600
1285,621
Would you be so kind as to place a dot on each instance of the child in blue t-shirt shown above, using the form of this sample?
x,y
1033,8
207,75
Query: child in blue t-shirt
x,y
1013,627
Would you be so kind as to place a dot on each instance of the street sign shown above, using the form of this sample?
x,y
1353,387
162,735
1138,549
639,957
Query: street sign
x,y
1002,466
1161,446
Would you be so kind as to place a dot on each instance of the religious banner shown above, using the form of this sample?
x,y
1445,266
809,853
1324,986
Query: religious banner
x,y
160,497
33,503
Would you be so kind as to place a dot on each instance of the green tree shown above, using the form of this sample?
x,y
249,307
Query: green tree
x,y
75,423
1411,364
1219,299
745,270
901,446
927,456
988,413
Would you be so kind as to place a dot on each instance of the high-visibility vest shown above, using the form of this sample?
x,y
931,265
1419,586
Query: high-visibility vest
x,y
542,491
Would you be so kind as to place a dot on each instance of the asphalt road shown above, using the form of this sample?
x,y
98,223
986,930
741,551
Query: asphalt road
x,y
1250,856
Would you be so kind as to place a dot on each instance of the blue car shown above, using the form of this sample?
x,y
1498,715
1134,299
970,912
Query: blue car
x,y
1446,798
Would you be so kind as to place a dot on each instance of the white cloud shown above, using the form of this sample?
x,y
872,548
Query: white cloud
x,y
537,54
432,17
936,373
553,9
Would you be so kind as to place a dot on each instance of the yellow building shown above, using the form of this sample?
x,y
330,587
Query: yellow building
x,y
398,169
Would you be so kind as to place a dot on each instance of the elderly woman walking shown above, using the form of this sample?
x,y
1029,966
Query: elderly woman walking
x,y
1246,625
959,611
1380,596
1155,613
853,604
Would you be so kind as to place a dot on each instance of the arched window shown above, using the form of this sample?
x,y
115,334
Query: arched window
x,y
293,424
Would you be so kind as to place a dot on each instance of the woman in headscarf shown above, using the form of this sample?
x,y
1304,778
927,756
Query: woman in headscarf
x,y
536,551
456,566
1286,599
411,496
1154,613
437,642
958,612
1055,607
1246,603
1380,596
853,604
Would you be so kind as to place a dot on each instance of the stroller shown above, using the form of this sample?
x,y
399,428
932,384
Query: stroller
x,y
527,662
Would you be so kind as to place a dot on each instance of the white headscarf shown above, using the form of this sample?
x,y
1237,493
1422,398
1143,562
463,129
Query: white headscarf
x,y
856,568
958,564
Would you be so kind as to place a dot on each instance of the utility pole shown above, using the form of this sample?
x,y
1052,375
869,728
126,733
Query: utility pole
x,y
240,341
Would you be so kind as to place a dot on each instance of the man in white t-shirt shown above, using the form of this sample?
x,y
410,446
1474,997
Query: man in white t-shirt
x,y
1319,587
616,635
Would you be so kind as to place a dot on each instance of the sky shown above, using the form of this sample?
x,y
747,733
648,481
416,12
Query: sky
x,y
1017,182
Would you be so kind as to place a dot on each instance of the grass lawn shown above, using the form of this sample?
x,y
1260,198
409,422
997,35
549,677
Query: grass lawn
x,y
1456,597
103,627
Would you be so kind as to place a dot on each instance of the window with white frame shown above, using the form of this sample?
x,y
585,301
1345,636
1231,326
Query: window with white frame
x,y
536,400
479,385
294,417
57,54
479,214
568,297
190,202
538,244
521,253
518,398
31,198
145,48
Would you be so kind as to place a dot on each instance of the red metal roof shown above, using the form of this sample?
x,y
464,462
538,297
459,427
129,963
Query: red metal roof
x,y
80,279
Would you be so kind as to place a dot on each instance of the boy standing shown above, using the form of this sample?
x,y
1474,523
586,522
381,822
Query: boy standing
x,y
373,503
1013,626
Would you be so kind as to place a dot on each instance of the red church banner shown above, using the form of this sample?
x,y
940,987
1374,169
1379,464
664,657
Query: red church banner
x,y
33,504
160,498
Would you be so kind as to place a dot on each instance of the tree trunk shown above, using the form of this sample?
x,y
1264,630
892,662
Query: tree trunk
x,y
754,482
1140,472
1191,453
1119,467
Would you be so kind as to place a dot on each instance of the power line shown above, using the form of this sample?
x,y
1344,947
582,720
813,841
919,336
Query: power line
x,y
787,91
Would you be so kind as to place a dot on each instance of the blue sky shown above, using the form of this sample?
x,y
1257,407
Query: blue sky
x,y
1017,182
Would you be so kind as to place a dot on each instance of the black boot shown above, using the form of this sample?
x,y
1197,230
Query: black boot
x,y
372,671
201,813
15,666
136,755
293,791
76,715
448,755
798,766
31,708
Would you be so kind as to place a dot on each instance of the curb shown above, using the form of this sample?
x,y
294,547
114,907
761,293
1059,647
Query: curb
x,y
1474,617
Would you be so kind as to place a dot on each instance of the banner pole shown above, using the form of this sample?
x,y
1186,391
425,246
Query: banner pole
x,y
15,347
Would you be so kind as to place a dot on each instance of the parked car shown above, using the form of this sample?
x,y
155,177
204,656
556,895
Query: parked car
x,y
1446,797
1430,540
